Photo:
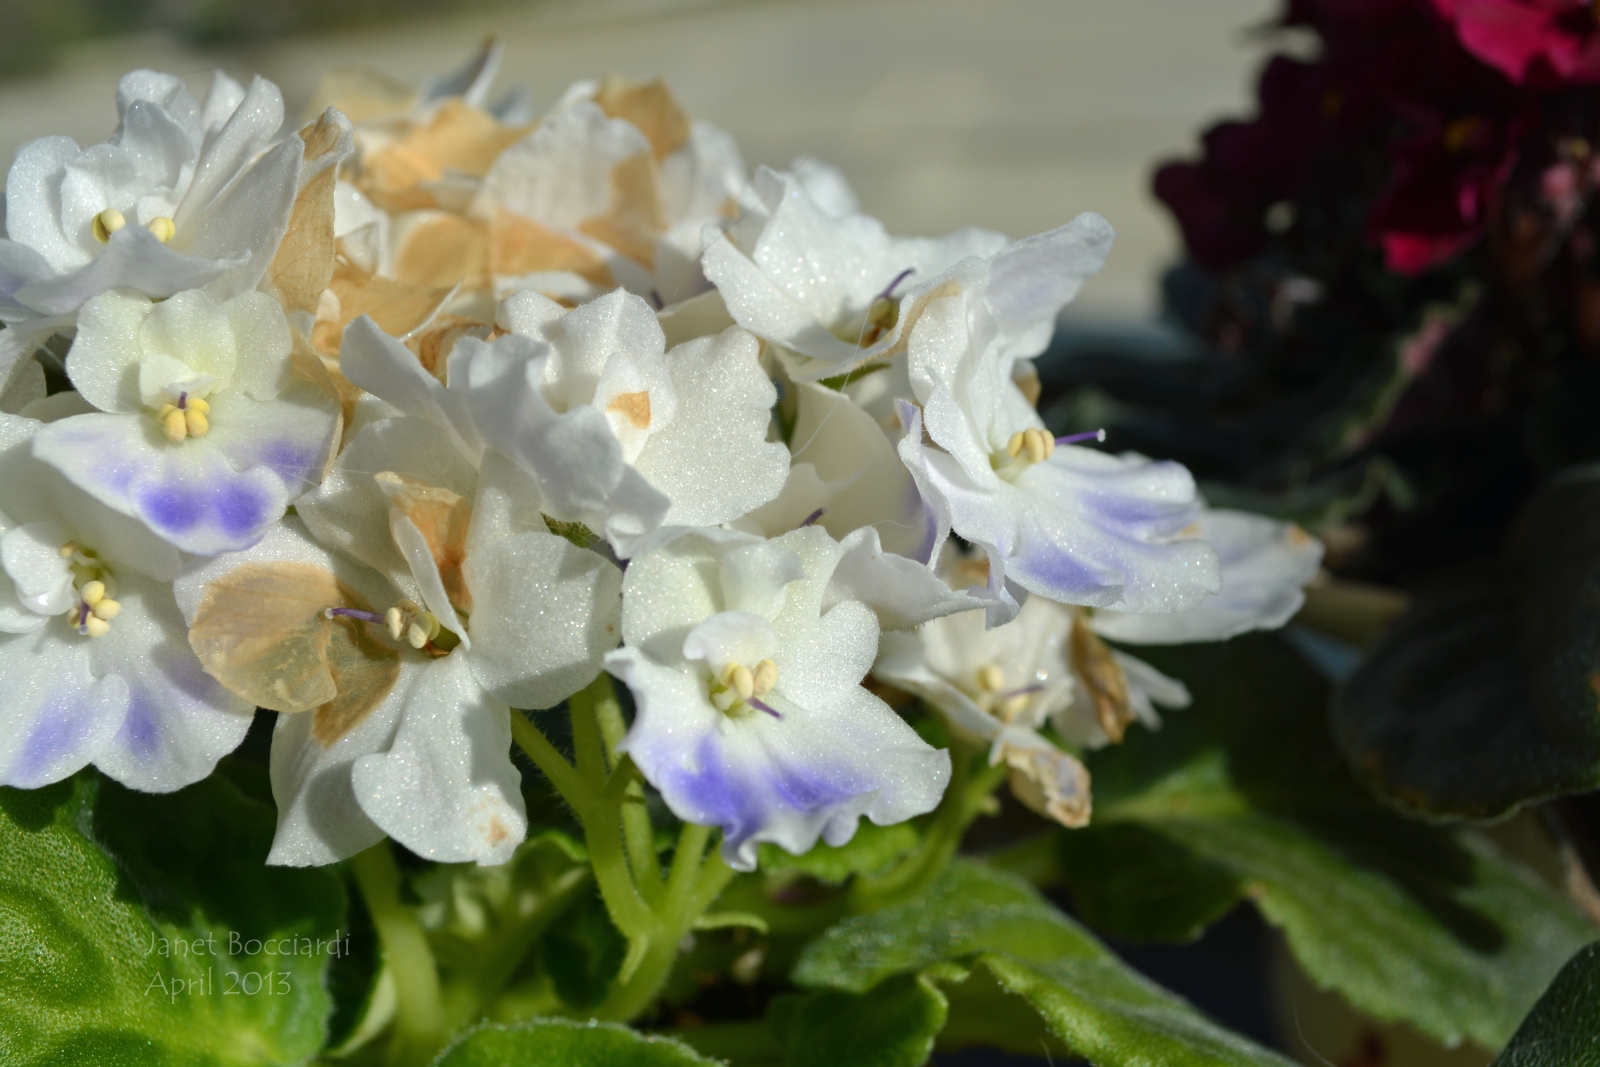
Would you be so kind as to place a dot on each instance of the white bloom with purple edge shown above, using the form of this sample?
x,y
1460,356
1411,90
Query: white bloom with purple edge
x,y
94,659
745,659
205,433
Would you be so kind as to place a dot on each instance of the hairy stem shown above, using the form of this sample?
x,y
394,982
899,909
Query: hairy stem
x,y
419,1029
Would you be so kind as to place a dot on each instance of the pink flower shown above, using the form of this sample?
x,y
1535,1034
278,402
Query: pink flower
x,y
1544,43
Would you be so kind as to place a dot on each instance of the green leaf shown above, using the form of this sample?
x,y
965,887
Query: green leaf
x,y
1563,1030
1408,922
564,1043
1140,885
1485,695
891,1025
142,929
871,850
986,921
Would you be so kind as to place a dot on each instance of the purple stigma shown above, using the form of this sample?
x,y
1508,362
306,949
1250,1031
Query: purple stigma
x,y
655,298
769,709
888,293
1074,438
183,401
354,613
814,516
1024,691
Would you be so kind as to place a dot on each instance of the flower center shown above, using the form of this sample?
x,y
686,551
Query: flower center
x,y
407,621
111,220
738,690
1028,447
883,311
187,416
993,696
93,609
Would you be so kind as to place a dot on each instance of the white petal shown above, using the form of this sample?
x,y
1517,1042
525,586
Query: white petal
x,y
847,446
291,435
714,460
1265,567
179,720
320,820
544,612
446,788
248,218
33,205
193,330
414,549
1033,279
31,556
261,335
57,714
250,126
185,492
380,364
104,360
349,511
902,592
134,259
756,578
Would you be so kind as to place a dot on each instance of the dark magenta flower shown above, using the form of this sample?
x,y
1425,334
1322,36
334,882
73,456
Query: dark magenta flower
x,y
1543,43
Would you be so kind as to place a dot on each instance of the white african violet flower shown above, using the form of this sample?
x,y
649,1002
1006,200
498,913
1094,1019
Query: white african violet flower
x,y
822,286
1072,524
619,434
466,605
589,199
180,196
94,663
204,432
745,659
1265,567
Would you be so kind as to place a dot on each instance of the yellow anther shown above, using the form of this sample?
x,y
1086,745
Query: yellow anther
x,y
394,618
93,593
194,403
1013,706
765,677
1014,445
175,425
1049,444
105,609
424,628
95,626
162,227
737,676
107,223
164,410
991,679
1033,441
195,422
69,550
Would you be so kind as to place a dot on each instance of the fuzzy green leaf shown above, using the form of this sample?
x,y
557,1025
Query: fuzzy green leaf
x,y
140,929
564,1043
1563,1030
1094,1005
1409,922
891,1025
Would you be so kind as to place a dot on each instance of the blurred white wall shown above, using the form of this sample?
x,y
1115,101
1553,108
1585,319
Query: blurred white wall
x,y
1013,114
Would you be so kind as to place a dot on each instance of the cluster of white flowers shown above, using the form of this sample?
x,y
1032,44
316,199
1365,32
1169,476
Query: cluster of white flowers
x,y
436,408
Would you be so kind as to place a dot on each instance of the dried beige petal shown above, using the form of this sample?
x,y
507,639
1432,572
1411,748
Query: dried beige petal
x,y
261,631
303,266
443,251
1103,677
443,517
458,137
650,107
432,345
1052,783
636,216
364,669
518,245
397,307
635,407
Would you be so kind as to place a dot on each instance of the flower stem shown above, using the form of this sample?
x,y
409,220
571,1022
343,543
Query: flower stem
x,y
553,764
961,804
637,833
419,1018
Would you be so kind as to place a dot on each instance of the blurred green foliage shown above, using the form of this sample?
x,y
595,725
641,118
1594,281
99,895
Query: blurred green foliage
x,y
35,31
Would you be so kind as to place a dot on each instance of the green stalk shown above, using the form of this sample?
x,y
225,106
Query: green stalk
x,y
962,802
551,763
637,834
419,1026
